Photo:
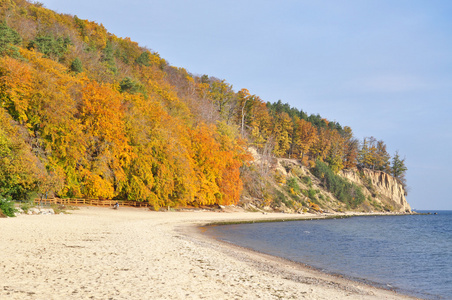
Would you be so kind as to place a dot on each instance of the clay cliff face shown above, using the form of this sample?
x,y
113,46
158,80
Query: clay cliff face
x,y
383,187
291,187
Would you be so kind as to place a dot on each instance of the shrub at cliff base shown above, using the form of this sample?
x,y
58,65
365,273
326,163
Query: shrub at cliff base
x,y
344,191
6,208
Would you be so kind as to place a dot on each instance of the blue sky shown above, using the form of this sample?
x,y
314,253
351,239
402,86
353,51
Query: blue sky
x,y
382,67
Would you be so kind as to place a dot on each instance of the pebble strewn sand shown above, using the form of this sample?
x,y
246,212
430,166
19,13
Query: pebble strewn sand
x,y
101,253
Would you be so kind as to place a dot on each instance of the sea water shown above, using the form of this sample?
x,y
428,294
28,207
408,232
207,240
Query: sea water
x,y
411,254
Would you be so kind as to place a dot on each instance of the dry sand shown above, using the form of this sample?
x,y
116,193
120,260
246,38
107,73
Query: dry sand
x,y
101,253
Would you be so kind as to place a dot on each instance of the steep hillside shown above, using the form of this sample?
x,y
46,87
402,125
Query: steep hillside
x,y
85,113
296,188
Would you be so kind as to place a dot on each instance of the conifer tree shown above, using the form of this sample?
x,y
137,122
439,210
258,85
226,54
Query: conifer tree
x,y
398,168
77,66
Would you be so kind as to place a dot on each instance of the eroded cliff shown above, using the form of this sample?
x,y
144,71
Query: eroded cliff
x,y
382,187
293,187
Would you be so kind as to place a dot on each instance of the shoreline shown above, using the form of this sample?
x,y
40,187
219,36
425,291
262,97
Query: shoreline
x,y
134,253
309,217
297,264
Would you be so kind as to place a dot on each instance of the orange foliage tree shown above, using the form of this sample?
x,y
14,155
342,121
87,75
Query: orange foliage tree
x,y
107,118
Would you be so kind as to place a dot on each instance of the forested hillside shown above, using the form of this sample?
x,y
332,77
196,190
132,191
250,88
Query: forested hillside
x,y
85,113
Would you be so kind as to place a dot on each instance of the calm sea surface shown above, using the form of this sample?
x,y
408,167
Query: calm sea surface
x,y
412,254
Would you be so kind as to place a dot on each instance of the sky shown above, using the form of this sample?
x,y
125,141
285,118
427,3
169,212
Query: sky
x,y
382,67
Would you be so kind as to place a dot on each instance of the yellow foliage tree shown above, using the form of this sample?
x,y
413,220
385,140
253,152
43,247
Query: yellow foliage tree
x,y
305,135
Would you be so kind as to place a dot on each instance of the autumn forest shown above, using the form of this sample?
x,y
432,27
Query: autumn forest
x,y
85,113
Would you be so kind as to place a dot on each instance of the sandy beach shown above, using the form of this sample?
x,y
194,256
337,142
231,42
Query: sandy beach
x,y
131,253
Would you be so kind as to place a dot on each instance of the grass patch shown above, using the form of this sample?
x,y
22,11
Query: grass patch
x,y
281,198
307,180
292,185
